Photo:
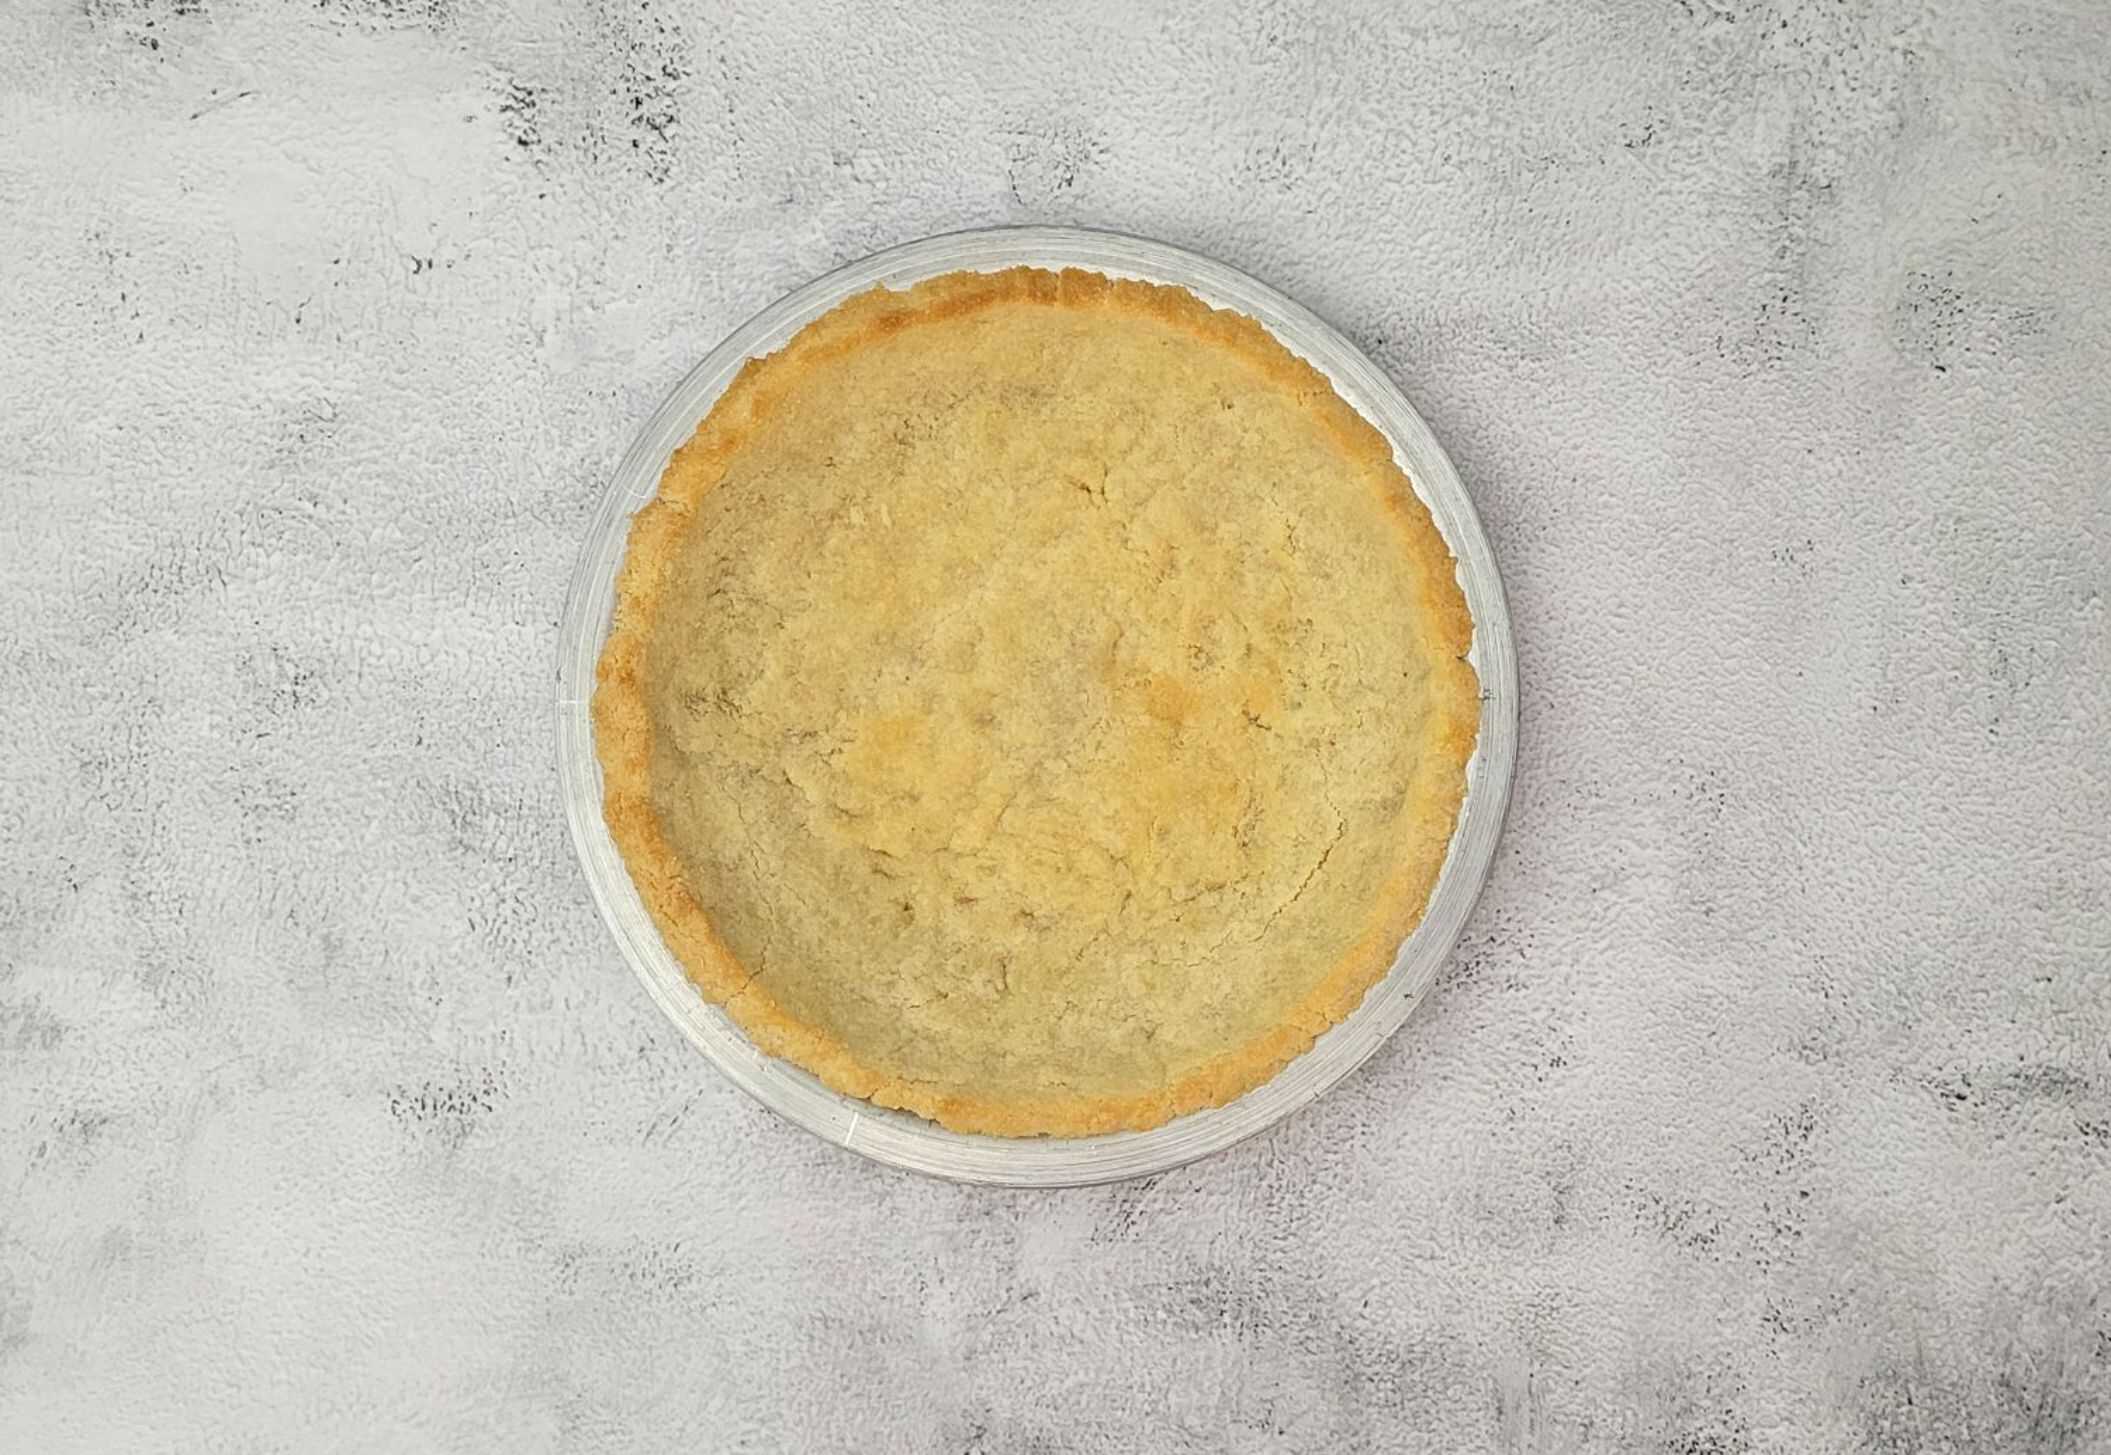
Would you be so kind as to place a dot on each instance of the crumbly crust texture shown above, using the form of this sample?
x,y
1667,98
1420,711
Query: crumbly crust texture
x,y
1036,701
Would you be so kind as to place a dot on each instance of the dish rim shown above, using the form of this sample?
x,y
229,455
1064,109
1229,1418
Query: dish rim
x,y
902,1139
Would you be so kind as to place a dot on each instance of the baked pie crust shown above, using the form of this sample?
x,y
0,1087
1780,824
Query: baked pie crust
x,y
1037,701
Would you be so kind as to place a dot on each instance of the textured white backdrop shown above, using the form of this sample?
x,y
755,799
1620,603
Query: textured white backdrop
x,y
1767,1105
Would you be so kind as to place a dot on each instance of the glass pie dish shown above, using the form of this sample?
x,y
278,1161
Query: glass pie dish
x,y
900,1138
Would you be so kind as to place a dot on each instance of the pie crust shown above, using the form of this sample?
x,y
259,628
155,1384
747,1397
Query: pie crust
x,y
1037,701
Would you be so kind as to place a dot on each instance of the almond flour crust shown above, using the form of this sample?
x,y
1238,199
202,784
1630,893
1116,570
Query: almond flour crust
x,y
1036,701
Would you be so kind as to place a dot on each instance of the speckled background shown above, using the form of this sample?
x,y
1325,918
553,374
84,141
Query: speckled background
x,y
1767,1104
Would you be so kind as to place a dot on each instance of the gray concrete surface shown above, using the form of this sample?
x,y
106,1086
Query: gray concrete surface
x,y
1767,1105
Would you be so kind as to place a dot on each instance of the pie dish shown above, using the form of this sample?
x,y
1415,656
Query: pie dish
x,y
1035,700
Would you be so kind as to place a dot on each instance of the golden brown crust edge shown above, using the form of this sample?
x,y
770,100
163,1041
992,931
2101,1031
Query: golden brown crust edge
x,y
623,723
